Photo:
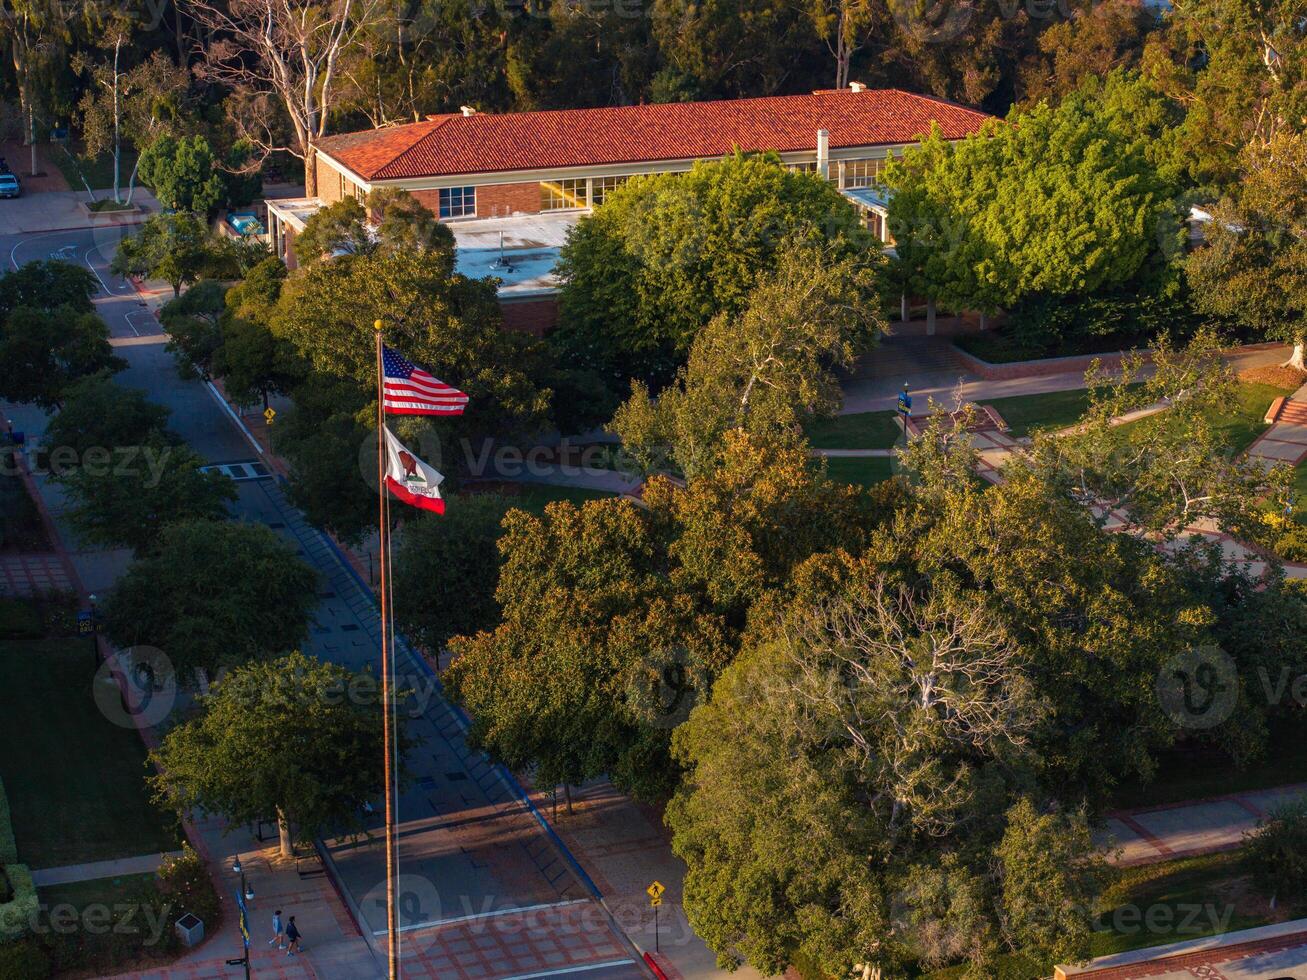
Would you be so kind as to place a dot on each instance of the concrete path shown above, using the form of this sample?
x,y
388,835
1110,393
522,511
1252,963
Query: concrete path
x,y
144,864
42,213
1286,440
1162,833
931,371
1276,952
33,575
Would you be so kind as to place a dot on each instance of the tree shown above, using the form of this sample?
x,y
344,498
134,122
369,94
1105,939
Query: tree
x,y
98,413
617,619
135,105
254,363
1050,876
280,61
1274,853
446,570
173,247
44,351
842,24
294,739
665,254
130,502
1167,472
212,595
183,174
194,325
48,284
341,226
1053,201
765,370
36,33
1086,46
1252,266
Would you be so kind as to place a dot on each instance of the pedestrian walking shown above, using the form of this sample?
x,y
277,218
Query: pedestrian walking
x,y
293,934
278,931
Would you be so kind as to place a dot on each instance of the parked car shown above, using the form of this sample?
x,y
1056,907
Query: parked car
x,y
9,185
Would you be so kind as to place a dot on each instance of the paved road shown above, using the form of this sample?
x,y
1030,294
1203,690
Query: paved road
x,y
471,850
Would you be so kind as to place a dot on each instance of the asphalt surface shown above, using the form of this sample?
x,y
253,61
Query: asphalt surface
x,y
465,836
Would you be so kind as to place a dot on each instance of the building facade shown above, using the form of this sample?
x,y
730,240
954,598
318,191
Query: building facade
x,y
543,170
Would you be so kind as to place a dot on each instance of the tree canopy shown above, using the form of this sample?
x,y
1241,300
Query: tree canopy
x,y
294,740
212,595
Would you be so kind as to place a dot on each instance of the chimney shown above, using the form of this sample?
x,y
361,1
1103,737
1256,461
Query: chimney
x,y
823,154
467,110
857,87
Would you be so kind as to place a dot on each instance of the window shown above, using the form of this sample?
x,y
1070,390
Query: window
x,y
601,187
802,168
567,192
458,202
862,173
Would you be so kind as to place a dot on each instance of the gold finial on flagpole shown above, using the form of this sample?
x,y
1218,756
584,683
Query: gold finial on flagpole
x,y
376,325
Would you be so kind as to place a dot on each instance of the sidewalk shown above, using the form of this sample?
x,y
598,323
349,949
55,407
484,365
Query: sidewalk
x,y
48,211
144,864
1286,440
1163,833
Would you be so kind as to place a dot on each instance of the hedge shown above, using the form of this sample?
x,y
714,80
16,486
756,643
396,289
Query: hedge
x,y
17,915
8,846
24,960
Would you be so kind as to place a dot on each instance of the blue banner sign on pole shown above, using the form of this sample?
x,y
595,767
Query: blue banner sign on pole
x,y
905,402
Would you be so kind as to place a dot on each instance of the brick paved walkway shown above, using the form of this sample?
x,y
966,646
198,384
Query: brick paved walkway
x,y
1254,954
1286,440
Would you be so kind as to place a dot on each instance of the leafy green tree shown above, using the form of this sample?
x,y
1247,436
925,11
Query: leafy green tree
x,y
133,497
341,226
48,284
212,595
665,254
254,363
255,296
194,325
45,351
390,220
765,370
293,739
1252,266
1171,470
1050,877
616,619
97,412
449,324
173,247
1274,852
446,571
1053,201
183,173
1085,48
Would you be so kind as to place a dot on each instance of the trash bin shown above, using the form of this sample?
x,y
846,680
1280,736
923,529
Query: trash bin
x,y
190,930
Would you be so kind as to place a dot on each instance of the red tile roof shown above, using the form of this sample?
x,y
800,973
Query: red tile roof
x,y
455,144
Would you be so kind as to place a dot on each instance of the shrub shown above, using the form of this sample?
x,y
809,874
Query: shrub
x,y
1276,853
19,619
23,960
18,913
8,848
185,881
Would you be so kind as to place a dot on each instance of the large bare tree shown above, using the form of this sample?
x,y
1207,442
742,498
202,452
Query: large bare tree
x,y
280,59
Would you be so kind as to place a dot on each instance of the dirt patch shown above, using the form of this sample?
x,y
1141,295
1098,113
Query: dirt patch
x,y
1275,374
19,158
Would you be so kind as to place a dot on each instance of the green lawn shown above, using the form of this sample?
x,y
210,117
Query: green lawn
x,y
75,781
1243,423
863,471
861,430
1157,904
1049,409
98,172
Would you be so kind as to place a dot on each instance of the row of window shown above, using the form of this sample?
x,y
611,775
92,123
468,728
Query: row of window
x,y
570,193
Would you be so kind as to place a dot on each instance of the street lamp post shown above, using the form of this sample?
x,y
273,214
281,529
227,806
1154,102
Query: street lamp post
x,y
905,407
95,646
246,894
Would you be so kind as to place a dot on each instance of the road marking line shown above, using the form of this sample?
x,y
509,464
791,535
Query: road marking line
x,y
571,969
441,923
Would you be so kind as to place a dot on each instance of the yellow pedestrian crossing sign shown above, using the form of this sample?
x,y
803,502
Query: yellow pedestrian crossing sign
x,y
655,891
270,414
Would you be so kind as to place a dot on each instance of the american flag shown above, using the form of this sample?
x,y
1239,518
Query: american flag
x,y
411,391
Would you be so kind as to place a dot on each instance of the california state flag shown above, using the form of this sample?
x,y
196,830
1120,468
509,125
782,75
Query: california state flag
x,y
410,479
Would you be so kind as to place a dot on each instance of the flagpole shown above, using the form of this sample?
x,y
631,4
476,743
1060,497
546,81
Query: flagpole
x,y
392,925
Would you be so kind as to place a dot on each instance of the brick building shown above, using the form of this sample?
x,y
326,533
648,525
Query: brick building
x,y
511,184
